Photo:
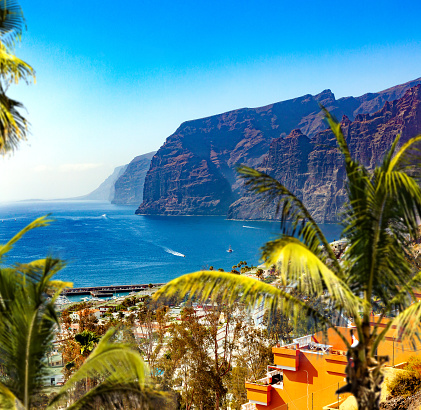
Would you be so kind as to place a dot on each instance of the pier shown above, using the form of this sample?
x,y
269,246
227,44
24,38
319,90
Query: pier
x,y
108,289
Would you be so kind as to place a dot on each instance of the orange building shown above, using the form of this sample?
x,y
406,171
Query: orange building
x,y
307,373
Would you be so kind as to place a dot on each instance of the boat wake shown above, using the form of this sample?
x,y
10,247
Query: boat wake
x,y
250,227
82,218
175,253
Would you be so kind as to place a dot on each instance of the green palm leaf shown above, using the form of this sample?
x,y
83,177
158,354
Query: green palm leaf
x,y
300,266
8,400
381,220
28,321
13,126
37,223
12,22
121,368
28,324
12,68
231,288
111,395
296,220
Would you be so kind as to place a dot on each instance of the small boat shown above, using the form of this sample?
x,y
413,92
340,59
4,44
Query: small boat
x,y
229,249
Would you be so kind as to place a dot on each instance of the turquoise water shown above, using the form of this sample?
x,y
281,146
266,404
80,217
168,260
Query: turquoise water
x,y
105,244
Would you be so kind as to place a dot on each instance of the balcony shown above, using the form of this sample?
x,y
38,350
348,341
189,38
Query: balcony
x,y
287,357
259,394
336,362
260,391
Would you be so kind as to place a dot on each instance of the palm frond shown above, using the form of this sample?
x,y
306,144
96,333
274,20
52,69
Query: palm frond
x,y
405,297
113,395
229,288
296,220
407,323
300,266
406,155
13,126
383,208
28,323
39,222
12,22
335,126
8,400
13,69
116,363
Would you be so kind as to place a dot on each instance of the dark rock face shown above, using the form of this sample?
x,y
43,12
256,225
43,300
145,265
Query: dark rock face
x,y
193,173
128,188
313,168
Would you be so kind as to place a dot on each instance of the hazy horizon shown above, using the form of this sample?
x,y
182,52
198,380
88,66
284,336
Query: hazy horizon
x,y
114,82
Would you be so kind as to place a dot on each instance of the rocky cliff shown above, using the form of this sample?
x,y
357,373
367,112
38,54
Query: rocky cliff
x,y
105,192
128,188
313,169
194,171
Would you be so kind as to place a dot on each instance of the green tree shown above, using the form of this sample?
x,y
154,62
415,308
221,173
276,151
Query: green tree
x,y
202,351
87,341
187,363
13,126
380,220
152,321
279,326
28,324
259,274
250,362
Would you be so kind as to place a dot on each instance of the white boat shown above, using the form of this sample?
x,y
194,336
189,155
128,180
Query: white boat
x,y
229,249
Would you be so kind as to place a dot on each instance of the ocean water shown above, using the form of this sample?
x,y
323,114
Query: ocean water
x,y
105,244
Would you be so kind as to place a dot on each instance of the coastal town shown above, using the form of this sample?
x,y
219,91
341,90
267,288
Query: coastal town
x,y
210,205
272,361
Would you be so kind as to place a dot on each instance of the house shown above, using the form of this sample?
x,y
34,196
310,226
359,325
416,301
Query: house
x,y
307,373
54,372
76,315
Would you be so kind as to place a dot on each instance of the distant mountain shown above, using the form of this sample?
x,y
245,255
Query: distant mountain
x,y
129,185
105,192
193,173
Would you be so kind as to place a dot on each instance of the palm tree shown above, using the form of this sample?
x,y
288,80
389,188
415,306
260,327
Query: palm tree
x,y
28,324
13,126
259,274
381,217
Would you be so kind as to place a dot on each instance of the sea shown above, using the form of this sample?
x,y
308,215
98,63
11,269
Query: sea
x,y
105,244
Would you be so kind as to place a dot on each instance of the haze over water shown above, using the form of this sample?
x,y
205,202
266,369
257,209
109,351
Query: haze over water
x,y
105,244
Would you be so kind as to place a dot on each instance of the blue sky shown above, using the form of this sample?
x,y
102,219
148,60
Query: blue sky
x,y
114,79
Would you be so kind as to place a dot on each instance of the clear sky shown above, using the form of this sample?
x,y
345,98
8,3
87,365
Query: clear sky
x,y
115,78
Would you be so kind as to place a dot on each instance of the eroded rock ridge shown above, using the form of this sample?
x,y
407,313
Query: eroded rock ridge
x,y
193,173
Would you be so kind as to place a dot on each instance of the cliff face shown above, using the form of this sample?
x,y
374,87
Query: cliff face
x,y
128,188
194,171
105,192
313,168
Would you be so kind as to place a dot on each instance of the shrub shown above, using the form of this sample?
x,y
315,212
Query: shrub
x,y
269,279
414,365
404,384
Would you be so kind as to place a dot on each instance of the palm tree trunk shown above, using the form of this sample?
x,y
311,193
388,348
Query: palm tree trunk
x,y
364,378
